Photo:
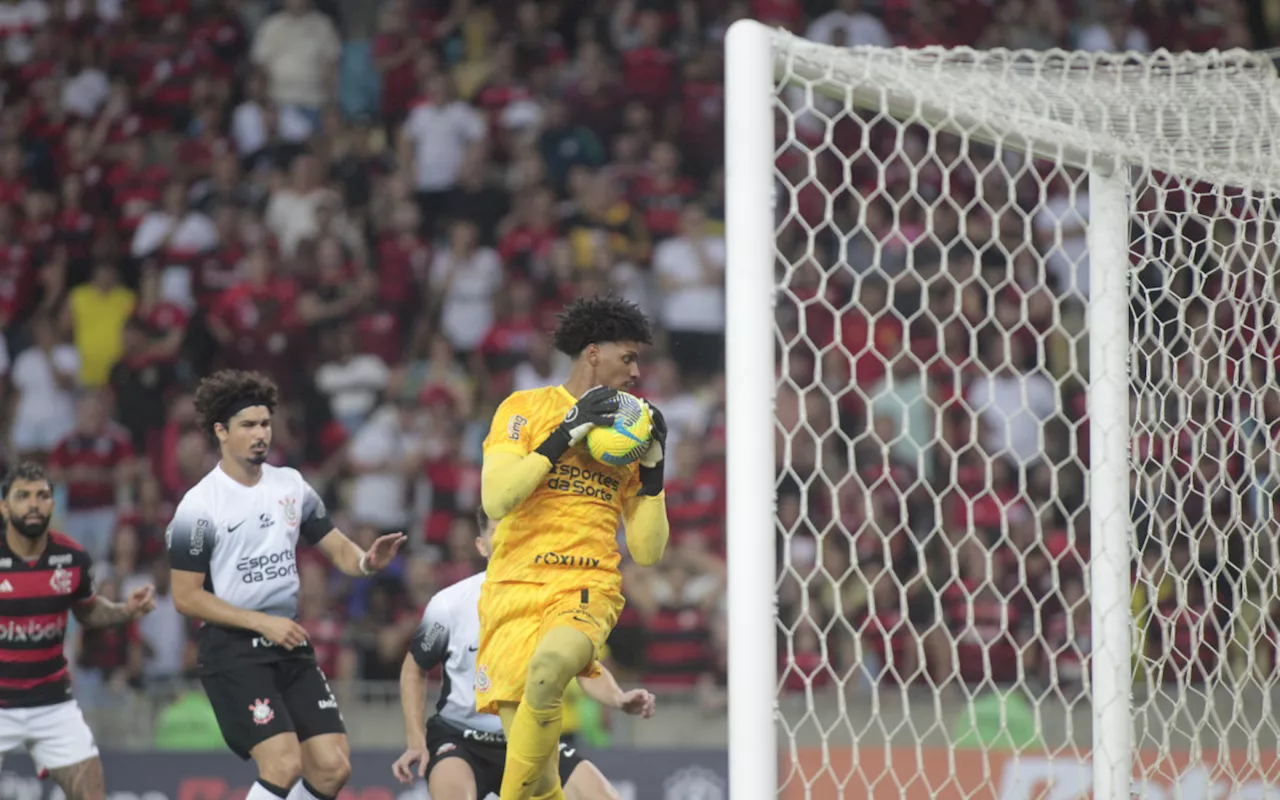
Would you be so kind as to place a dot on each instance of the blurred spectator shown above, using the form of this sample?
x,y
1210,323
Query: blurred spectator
x,y
690,271
440,131
163,632
44,378
138,382
848,25
353,381
382,456
465,276
96,313
298,48
174,233
1112,31
95,462
1012,404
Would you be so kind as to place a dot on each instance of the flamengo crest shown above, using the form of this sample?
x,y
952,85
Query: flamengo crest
x,y
60,582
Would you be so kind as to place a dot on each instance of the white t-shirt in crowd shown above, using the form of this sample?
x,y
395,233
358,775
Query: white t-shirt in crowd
x,y
441,136
41,403
298,53
468,301
1011,424
1068,262
381,498
251,132
353,386
695,305
194,233
291,216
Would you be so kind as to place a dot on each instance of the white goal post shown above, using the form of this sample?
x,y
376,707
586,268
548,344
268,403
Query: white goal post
x,y
1176,155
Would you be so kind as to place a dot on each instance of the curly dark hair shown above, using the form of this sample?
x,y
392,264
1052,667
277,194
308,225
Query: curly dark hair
x,y
597,320
30,471
222,394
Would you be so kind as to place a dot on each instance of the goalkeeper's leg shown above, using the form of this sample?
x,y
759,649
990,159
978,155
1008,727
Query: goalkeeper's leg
x,y
533,727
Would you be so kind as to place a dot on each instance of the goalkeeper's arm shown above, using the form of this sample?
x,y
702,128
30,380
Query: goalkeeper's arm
x,y
507,478
647,529
645,514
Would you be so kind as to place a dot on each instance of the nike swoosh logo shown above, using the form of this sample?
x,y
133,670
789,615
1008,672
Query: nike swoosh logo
x,y
580,619
231,528
473,649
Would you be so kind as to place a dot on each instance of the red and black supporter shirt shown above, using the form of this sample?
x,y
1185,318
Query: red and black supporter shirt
x,y
35,597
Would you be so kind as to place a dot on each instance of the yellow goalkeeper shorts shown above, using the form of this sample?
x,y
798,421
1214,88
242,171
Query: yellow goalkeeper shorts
x,y
513,619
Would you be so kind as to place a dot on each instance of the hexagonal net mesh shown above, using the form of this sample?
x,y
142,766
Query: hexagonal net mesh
x,y
933,438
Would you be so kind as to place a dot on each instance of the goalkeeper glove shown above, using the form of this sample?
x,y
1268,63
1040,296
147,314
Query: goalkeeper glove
x,y
598,406
651,463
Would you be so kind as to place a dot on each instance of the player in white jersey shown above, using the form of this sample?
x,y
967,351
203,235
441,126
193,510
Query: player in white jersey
x,y
232,546
460,752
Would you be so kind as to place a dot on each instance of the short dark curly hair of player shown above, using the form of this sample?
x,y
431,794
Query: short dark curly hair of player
x,y
220,393
29,471
599,320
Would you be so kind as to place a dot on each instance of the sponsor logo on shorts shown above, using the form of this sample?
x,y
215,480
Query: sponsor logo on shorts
x,y
262,712
445,748
482,678
514,426
262,641
60,581
331,702
566,560
484,737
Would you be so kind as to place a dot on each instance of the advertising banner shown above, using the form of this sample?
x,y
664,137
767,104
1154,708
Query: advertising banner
x,y
943,774
637,775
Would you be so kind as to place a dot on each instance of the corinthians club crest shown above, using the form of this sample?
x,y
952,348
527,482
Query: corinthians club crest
x,y
262,712
290,507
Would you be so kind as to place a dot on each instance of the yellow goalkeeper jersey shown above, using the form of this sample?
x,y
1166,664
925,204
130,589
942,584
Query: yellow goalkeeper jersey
x,y
566,531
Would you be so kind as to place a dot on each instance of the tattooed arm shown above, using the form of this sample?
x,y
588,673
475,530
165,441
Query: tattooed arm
x,y
102,613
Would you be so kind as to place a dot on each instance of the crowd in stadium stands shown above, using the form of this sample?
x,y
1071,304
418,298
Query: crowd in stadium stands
x,y
383,205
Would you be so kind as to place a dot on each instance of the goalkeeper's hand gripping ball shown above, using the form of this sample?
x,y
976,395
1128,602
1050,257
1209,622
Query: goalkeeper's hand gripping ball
x,y
627,438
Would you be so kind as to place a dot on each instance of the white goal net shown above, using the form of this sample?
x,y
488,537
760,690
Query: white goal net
x,y
1027,412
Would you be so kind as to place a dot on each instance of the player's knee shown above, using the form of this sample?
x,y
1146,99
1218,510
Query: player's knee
x,y
332,768
549,675
283,769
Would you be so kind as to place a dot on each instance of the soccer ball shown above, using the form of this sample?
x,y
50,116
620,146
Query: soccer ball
x,y
626,439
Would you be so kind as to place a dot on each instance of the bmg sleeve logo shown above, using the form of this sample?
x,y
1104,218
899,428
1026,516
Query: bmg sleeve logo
x,y
514,426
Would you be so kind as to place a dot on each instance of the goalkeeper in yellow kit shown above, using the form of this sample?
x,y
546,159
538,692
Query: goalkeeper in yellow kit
x,y
553,591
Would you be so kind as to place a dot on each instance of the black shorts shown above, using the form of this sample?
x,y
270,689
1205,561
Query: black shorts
x,y
486,757
254,702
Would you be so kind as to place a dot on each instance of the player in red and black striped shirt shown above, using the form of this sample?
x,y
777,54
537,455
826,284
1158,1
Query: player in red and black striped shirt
x,y
43,576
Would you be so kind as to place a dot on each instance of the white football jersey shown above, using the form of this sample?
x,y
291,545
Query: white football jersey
x,y
245,538
450,634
